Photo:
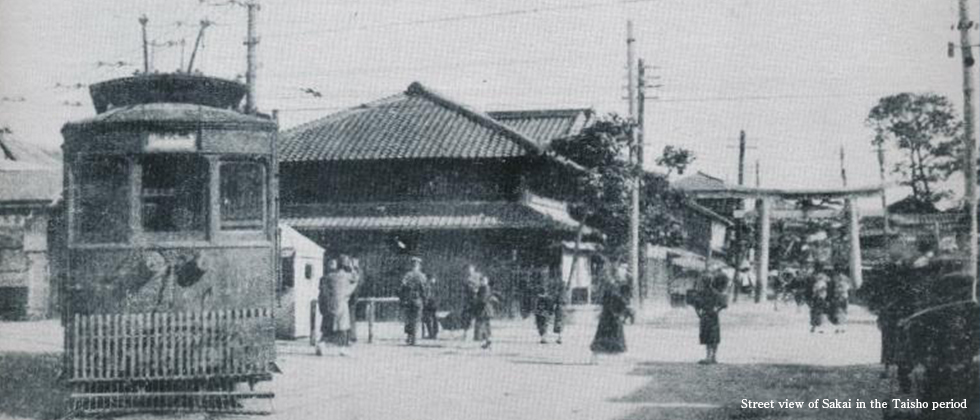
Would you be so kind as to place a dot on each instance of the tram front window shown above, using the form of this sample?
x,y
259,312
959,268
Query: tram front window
x,y
173,193
101,205
242,196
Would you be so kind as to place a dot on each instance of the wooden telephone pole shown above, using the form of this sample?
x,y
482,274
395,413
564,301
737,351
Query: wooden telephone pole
x,y
634,262
741,158
969,139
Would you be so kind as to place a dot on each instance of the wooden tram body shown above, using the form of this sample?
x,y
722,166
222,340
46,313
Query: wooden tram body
x,y
172,250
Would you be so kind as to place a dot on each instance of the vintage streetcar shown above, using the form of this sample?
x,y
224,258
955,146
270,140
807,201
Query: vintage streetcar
x,y
172,251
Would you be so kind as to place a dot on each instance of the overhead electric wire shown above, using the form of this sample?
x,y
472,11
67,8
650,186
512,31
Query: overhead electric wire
x,y
463,17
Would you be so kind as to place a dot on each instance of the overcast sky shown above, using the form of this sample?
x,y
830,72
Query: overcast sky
x,y
798,76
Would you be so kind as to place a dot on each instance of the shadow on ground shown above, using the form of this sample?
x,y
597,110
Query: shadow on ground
x,y
31,388
691,391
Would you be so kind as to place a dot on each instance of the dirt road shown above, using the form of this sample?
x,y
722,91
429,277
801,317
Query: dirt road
x,y
765,355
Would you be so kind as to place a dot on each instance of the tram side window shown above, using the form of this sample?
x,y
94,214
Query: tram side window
x,y
174,191
101,207
242,196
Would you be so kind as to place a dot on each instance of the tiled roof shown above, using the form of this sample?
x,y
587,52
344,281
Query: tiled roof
x,y
27,173
699,181
424,216
545,125
417,123
12,149
29,185
710,214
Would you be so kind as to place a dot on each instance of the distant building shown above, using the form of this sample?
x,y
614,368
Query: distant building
x,y
670,271
300,269
418,174
725,207
30,187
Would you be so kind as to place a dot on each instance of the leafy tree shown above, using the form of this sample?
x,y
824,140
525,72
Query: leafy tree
x,y
675,159
926,129
604,192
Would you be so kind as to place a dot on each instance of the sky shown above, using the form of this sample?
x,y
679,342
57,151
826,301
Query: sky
x,y
798,76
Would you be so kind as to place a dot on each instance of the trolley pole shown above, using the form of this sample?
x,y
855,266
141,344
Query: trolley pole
x,y
146,54
251,42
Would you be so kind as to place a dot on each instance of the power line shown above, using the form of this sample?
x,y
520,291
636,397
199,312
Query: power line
x,y
463,17
769,97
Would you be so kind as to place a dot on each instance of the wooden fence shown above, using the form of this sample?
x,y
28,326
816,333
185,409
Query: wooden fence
x,y
171,345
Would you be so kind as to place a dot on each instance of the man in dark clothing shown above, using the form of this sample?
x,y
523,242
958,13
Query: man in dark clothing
x,y
430,324
352,302
548,304
471,286
412,297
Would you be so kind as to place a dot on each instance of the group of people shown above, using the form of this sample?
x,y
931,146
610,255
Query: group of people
x,y
336,303
419,304
929,327
829,294
546,295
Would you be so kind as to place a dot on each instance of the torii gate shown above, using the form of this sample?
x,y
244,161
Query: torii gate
x,y
764,196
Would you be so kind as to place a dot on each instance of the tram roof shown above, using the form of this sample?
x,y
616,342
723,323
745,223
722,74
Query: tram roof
x,y
172,114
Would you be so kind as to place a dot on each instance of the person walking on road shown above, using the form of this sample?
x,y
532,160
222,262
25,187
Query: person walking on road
x,y
411,296
819,288
609,337
471,286
482,312
548,304
430,324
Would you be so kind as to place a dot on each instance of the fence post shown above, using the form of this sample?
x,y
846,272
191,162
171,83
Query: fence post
x,y
370,318
313,309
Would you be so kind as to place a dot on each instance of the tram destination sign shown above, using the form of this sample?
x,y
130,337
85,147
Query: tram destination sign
x,y
171,141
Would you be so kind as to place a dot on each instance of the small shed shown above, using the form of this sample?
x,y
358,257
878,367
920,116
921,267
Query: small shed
x,y
299,280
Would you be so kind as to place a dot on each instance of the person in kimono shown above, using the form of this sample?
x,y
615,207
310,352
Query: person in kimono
x,y
323,304
711,301
819,289
342,282
548,304
411,298
838,296
482,312
471,286
615,294
430,323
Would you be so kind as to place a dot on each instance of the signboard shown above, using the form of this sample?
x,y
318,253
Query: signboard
x,y
171,142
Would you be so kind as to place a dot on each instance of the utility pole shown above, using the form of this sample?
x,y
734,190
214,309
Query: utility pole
x,y
634,263
741,158
758,181
740,223
881,177
843,169
251,42
146,53
969,139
